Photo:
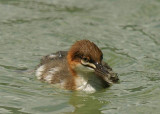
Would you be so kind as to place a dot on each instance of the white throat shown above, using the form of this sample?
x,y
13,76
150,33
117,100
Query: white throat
x,y
86,80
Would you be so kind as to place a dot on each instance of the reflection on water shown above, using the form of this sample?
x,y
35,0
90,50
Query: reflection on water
x,y
126,31
85,103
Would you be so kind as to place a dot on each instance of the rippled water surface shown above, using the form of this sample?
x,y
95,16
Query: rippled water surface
x,y
127,31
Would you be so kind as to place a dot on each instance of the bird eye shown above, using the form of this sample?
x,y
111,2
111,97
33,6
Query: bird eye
x,y
86,59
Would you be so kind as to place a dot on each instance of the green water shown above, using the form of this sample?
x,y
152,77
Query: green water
x,y
127,31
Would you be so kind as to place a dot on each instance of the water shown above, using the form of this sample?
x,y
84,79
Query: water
x,y
126,31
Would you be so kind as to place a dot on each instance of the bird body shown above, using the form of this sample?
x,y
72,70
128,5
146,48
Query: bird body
x,y
81,68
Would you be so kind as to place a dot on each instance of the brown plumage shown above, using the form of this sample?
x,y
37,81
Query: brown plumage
x,y
78,69
85,48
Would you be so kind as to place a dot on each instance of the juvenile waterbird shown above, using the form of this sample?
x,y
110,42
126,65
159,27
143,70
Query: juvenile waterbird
x,y
80,68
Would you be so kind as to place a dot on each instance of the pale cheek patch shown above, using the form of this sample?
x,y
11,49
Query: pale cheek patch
x,y
81,68
51,73
40,71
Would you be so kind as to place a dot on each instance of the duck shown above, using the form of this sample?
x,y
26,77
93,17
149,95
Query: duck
x,y
80,68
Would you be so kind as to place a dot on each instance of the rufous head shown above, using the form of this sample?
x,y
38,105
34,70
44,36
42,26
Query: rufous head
x,y
84,51
86,55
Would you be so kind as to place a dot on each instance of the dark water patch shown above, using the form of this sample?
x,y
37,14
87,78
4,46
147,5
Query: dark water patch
x,y
9,84
14,68
14,110
22,21
44,6
155,78
136,89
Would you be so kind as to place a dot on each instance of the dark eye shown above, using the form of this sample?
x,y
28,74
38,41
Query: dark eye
x,y
86,59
